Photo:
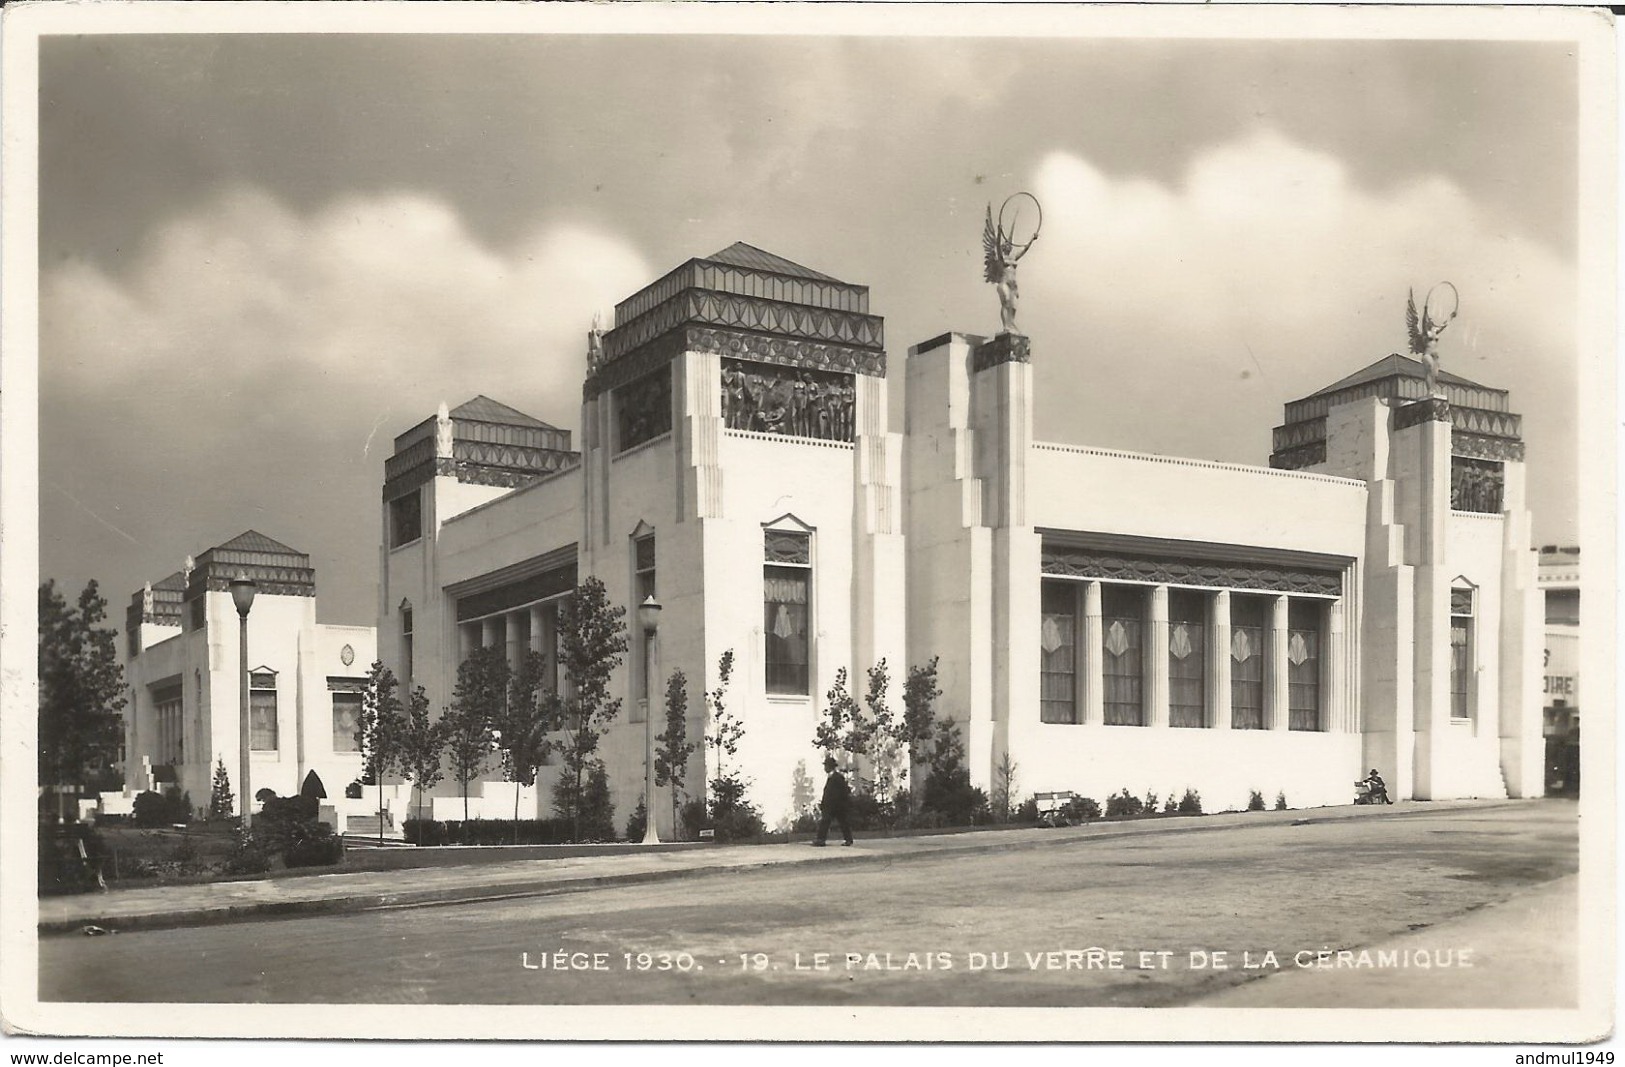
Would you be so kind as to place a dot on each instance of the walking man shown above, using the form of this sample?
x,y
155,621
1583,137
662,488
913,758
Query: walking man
x,y
837,802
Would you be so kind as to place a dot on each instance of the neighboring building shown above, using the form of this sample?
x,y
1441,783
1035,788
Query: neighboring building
x,y
183,658
1559,580
1106,619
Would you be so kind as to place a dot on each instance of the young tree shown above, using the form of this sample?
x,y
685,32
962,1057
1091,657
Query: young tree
x,y
379,731
803,791
722,736
478,704
522,733
81,690
592,637
674,747
422,741
222,803
918,721
876,735
835,734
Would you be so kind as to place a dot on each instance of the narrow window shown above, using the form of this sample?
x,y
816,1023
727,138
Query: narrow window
x,y
786,582
1187,658
1461,653
1247,618
1122,609
406,646
1303,664
643,587
262,711
1057,653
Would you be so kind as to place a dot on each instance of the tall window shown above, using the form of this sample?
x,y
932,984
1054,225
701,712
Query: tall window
x,y
1303,664
406,644
262,711
1187,658
1122,609
1461,653
406,519
346,722
1058,653
786,583
1247,616
198,611
167,703
643,587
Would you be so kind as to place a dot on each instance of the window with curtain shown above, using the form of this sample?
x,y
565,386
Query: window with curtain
x,y
346,722
262,712
1461,653
1247,659
1303,664
1122,610
1187,658
1058,653
786,584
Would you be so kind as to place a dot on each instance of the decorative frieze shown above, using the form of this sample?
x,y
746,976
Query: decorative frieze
x,y
786,400
1005,348
1429,409
735,344
1476,485
1070,562
1291,459
1478,446
733,311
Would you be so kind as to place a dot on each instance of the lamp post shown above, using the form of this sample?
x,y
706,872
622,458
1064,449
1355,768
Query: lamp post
x,y
649,619
243,589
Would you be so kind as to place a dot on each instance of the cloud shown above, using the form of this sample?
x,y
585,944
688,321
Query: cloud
x,y
384,296
1191,311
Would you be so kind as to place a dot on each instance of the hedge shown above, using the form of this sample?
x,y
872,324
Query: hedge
x,y
489,832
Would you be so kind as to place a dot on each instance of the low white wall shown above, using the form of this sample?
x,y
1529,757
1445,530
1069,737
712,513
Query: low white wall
x,y
1313,769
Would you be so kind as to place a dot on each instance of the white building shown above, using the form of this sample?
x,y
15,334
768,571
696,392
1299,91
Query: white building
x,y
182,667
1107,619
1559,579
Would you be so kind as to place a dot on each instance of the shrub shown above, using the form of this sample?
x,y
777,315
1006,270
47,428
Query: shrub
x,y
248,855
637,824
1190,803
1255,801
1149,806
1280,801
318,847
353,790
1170,806
1028,811
1082,809
152,809
740,823
489,832
1124,804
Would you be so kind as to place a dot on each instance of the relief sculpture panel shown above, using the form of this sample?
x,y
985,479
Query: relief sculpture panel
x,y
787,400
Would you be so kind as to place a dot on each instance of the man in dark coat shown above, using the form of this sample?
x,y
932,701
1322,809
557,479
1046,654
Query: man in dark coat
x,y
837,802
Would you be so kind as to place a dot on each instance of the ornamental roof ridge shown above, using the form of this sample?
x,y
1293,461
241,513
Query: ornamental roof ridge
x,y
741,254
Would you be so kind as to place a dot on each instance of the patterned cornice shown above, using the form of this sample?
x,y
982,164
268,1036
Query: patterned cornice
x,y
1430,409
734,311
1297,458
746,281
1486,423
735,344
1005,348
1297,434
1070,562
272,581
1397,387
399,486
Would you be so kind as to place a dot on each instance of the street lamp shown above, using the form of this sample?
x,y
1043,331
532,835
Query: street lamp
x,y
649,619
243,589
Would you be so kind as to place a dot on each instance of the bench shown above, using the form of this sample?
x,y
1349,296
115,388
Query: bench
x,y
1052,807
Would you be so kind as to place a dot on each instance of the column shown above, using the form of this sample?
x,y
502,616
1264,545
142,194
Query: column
x,y
1333,701
1092,662
1218,660
514,647
536,615
1156,690
1276,715
468,639
491,631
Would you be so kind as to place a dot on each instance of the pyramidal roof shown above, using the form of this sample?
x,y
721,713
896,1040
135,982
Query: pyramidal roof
x,y
483,409
254,541
174,581
1395,364
740,254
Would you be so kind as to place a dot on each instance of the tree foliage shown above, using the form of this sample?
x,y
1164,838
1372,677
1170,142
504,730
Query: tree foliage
x,y
222,802
379,731
592,639
673,746
521,735
81,690
724,731
422,741
479,705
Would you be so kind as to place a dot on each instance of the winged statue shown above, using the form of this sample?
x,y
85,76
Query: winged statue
x,y
1424,330
999,257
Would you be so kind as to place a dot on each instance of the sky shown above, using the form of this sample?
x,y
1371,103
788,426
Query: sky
x,y
263,256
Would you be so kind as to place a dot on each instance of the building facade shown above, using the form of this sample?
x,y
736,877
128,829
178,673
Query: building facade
x,y
1559,578
1101,619
182,666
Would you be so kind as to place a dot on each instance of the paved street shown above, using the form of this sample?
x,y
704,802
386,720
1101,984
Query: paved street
x,y
1007,927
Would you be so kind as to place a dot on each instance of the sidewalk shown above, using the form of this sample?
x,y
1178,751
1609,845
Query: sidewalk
x,y
193,905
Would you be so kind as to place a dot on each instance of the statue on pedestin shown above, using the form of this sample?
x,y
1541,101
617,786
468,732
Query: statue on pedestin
x,y
1000,254
788,400
1425,330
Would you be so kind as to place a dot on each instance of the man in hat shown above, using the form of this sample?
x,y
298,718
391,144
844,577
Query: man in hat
x,y
837,802
1376,788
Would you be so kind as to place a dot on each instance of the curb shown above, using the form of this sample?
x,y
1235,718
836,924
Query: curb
x,y
475,893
